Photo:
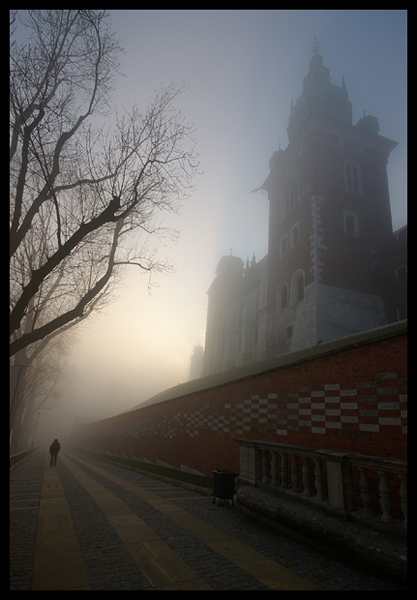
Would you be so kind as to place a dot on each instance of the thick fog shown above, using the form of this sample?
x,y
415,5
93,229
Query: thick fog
x,y
242,69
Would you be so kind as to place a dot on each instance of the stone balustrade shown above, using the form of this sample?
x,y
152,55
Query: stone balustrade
x,y
16,458
353,485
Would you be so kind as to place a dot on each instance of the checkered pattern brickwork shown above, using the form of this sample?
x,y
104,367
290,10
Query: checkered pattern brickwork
x,y
368,407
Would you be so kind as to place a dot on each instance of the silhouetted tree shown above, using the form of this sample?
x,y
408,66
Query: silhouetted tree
x,y
85,200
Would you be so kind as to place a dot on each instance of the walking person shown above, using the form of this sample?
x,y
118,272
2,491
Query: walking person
x,y
54,448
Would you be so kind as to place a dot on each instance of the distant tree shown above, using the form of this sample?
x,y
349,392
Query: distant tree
x,y
85,200
44,382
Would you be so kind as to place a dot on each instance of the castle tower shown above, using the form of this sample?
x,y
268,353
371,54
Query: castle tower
x,y
329,214
196,362
236,315
223,294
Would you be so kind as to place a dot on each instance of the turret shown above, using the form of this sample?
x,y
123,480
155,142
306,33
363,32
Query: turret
x,y
319,97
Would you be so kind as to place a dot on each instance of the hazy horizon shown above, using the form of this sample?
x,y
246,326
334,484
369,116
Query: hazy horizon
x,y
242,69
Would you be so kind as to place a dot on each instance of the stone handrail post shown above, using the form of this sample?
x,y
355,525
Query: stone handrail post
x,y
339,479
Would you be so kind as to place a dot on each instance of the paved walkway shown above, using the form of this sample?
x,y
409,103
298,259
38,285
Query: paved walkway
x,y
91,525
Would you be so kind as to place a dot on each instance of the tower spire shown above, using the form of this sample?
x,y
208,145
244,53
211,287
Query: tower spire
x,y
315,45
316,61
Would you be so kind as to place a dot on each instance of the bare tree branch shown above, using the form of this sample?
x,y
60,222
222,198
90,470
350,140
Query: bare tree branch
x,y
74,313
79,193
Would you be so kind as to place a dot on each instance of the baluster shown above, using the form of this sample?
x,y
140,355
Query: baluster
x,y
318,478
306,477
403,496
364,490
348,486
294,473
384,496
284,470
274,468
265,467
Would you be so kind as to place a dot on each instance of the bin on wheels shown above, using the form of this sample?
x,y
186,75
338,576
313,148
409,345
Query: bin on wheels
x,y
224,485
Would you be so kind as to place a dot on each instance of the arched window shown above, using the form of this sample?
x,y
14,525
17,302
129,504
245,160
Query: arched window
x,y
282,296
297,286
353,178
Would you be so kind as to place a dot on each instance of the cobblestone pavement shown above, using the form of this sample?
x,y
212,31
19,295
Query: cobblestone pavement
x,y
111,566
25,494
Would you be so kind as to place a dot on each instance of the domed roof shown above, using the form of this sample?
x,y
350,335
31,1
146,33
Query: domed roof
x,y
275,158
230,265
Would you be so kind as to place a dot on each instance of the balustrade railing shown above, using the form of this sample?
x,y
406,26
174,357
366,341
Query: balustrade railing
x,y
347,481
16,458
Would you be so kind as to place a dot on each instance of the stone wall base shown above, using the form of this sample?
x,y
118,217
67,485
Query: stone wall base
x,y
385,553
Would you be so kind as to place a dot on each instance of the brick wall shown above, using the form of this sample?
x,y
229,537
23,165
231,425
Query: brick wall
x,y
348,395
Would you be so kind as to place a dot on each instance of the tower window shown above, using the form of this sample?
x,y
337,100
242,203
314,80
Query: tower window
x,y
294,235
351,226
353,179
297,286
283,246
300,288
282,296
291,195
289,331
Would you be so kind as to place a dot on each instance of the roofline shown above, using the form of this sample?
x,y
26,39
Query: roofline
x,y
284,361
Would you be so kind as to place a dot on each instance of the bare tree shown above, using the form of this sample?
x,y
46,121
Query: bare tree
x,y
45,381
85,200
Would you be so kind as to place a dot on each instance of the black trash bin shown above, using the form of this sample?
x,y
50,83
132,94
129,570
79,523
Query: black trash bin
x,y
224,485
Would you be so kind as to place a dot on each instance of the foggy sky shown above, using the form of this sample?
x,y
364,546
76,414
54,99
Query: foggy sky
x,y
242,69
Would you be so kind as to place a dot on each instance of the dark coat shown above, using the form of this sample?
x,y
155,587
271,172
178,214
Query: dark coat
x,y
54,448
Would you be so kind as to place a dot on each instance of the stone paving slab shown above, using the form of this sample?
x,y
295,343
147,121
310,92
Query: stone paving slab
x,y
58,561
120,517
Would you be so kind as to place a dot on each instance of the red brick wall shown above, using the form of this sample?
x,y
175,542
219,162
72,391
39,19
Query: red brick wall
x,y
349,395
